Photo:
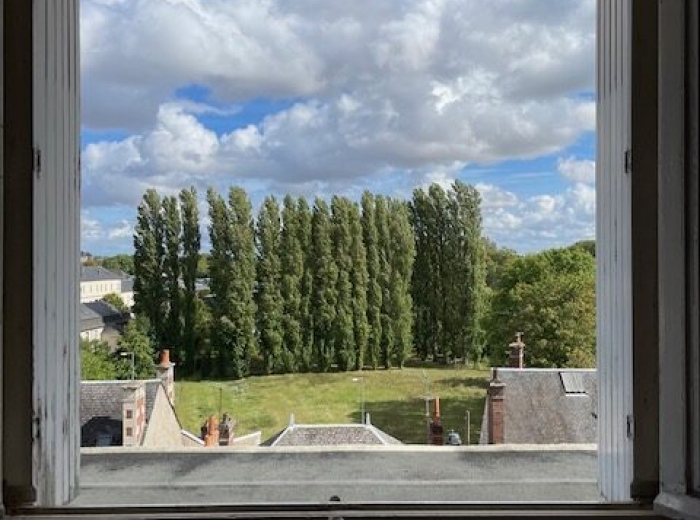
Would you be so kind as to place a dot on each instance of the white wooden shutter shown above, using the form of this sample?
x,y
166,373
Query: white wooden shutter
x,y
614,250
56,250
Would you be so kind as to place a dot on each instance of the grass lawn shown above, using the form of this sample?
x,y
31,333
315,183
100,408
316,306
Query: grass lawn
x,y
392,398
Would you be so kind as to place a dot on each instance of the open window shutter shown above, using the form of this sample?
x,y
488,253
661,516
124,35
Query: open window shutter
x,y
56,250
679,261
613,250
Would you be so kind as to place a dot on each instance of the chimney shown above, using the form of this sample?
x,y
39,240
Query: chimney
x,y
165,371
212,437
496,410
516,352
226,430
437,431
133,414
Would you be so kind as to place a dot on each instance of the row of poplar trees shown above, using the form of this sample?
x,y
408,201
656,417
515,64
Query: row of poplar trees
x,y
339,285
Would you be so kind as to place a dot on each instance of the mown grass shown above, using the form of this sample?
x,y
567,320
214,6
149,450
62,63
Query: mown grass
x,y
392,398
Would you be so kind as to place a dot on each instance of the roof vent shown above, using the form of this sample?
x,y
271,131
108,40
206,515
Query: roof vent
x,y
572,383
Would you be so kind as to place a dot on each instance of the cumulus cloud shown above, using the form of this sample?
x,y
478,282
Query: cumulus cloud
x,y
379,92
577,170
530,223
122,230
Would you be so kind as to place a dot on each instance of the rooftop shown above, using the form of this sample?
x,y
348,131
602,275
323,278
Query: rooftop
x,y
94,274
330,435
548,406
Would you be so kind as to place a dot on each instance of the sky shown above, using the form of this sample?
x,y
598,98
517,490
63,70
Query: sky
x,y
323,97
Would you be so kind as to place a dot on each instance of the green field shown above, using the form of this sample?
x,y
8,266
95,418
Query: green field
x,y
392,398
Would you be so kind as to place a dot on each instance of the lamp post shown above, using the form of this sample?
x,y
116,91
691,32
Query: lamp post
x,y
133,364
362,393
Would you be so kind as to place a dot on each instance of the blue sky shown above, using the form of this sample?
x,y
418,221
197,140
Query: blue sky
x,y
315,98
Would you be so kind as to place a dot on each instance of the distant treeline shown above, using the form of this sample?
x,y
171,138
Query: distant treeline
x,y
338,285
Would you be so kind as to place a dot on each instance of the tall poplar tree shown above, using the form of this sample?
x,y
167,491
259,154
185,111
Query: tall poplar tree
x,y
242,314
172,228
342,245
325,277
359,283
306,317
149,255
268,295
221,284
374,290
386,344
191,242
401,258
292,266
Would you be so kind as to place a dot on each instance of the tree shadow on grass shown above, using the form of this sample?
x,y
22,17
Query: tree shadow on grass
x,y
406,421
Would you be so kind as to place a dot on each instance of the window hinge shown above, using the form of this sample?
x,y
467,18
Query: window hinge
x,y
628,161
630,427
37,162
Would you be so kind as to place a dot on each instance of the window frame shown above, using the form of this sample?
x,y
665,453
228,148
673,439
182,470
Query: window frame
x,y
20,159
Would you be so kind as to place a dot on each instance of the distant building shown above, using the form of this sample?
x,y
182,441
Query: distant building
x,y
133,413
102,322
98,282
540,406
330,435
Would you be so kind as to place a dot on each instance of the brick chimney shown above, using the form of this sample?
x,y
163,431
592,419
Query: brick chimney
x,y
165,371
226,430
515,359
496,409
211,439
133,413
437,432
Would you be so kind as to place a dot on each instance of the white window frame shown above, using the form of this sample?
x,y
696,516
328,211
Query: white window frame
x,y
40,327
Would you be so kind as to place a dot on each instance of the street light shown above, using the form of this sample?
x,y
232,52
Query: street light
x,y
362,390
133,365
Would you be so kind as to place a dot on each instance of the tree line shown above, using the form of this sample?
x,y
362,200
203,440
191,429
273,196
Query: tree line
x,y
332,285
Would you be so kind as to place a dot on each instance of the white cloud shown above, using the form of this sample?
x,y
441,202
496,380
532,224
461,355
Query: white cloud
x,y
531,223
90,228
122,230
380,92
577,170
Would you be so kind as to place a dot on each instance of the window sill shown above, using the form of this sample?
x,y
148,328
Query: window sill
x,y
677,506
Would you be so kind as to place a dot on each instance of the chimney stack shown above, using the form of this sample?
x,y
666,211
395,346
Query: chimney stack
x,y
165,371
437,431
516,352
496,409
133,413
226,430
212,437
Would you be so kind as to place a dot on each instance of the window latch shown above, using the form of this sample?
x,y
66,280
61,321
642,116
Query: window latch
x,y
630,427
628,161
37,162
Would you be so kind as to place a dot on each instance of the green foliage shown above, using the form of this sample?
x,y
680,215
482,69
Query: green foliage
x,y
191,241
268,296
115,301
123,263
550,296
374,290
172,228
291,258
343,333
401,257
381,218
136,340
359,282
449,277
586,245
324,295
306,315
96,362
149,256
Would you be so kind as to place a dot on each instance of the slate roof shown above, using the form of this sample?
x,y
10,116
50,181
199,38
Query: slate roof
x,y
99,314
127,285
101,409
538,409
94,274
330,435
